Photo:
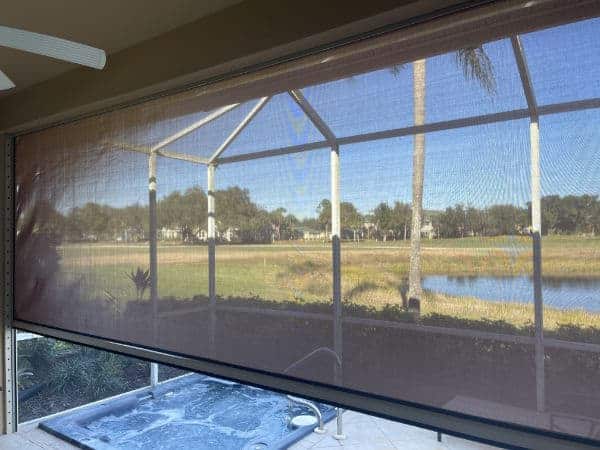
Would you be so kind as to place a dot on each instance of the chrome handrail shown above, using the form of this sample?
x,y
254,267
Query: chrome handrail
x,y
313,353
314,408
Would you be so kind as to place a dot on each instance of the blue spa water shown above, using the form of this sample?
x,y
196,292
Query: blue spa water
x,y
205,414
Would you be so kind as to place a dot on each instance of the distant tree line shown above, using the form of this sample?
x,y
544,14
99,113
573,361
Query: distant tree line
x,y
187,213
460,221
560,215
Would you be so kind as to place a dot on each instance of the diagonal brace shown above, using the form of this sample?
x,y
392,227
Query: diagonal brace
x,y
209,118
235,133
525,76
313,115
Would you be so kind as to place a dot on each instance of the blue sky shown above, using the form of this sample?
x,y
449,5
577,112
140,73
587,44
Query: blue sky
x,y
476,166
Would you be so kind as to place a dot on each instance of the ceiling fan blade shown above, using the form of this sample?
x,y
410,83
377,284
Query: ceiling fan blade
x,y
5,82
52,47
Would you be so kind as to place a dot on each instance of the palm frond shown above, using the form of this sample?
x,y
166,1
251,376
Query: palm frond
x,y
396,69
477,66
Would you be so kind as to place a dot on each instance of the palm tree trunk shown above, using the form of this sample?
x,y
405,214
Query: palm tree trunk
x,y
415,290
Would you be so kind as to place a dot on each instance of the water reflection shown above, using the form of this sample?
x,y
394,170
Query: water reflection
x,y
558,292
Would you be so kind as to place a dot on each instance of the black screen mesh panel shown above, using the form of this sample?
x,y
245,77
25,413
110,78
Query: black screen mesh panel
x,y
414,216
273,279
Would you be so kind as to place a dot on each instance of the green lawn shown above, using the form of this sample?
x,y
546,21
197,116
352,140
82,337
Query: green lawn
x,y
373,273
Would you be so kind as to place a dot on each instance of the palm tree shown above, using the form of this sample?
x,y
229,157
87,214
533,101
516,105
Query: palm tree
x,y
415,289
476,65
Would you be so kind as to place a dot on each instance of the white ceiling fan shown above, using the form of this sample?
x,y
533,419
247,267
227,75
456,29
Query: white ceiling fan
x,y
50,46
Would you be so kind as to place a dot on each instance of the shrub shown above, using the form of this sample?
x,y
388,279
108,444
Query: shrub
x,y
92,373
141,280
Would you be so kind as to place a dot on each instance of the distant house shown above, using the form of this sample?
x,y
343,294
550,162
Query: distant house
x,y
526,230
369,229
427,230
197,234
194,235
229,235
169,234
131,234
311,234
201,234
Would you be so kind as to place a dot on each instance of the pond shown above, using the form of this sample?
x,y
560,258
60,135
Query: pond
x,y
561,293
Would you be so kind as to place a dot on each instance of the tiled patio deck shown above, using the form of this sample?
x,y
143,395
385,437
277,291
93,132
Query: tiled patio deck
x,y
363,432
371,433
33,438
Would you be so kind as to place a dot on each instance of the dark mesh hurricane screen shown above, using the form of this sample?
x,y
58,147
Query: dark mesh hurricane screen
x,y
420,227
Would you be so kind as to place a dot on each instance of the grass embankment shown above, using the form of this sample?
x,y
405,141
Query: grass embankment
x,y
518,315
373,274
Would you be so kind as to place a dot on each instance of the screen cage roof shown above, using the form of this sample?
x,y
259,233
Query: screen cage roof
x,y
330,113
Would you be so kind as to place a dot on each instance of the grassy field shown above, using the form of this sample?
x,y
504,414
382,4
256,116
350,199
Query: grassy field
x,y
373,273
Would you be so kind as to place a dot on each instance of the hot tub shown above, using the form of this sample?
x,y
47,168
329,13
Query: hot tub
x,y
191,412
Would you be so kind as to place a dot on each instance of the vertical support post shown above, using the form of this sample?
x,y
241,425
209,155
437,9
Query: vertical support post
x,y
10,381
536,184
8,407
152,238
339,429
536,232
336,260
153,374
536,219
212,235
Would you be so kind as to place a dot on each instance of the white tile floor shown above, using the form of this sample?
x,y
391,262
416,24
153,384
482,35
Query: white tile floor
x,y
33,438
370,433
362,432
